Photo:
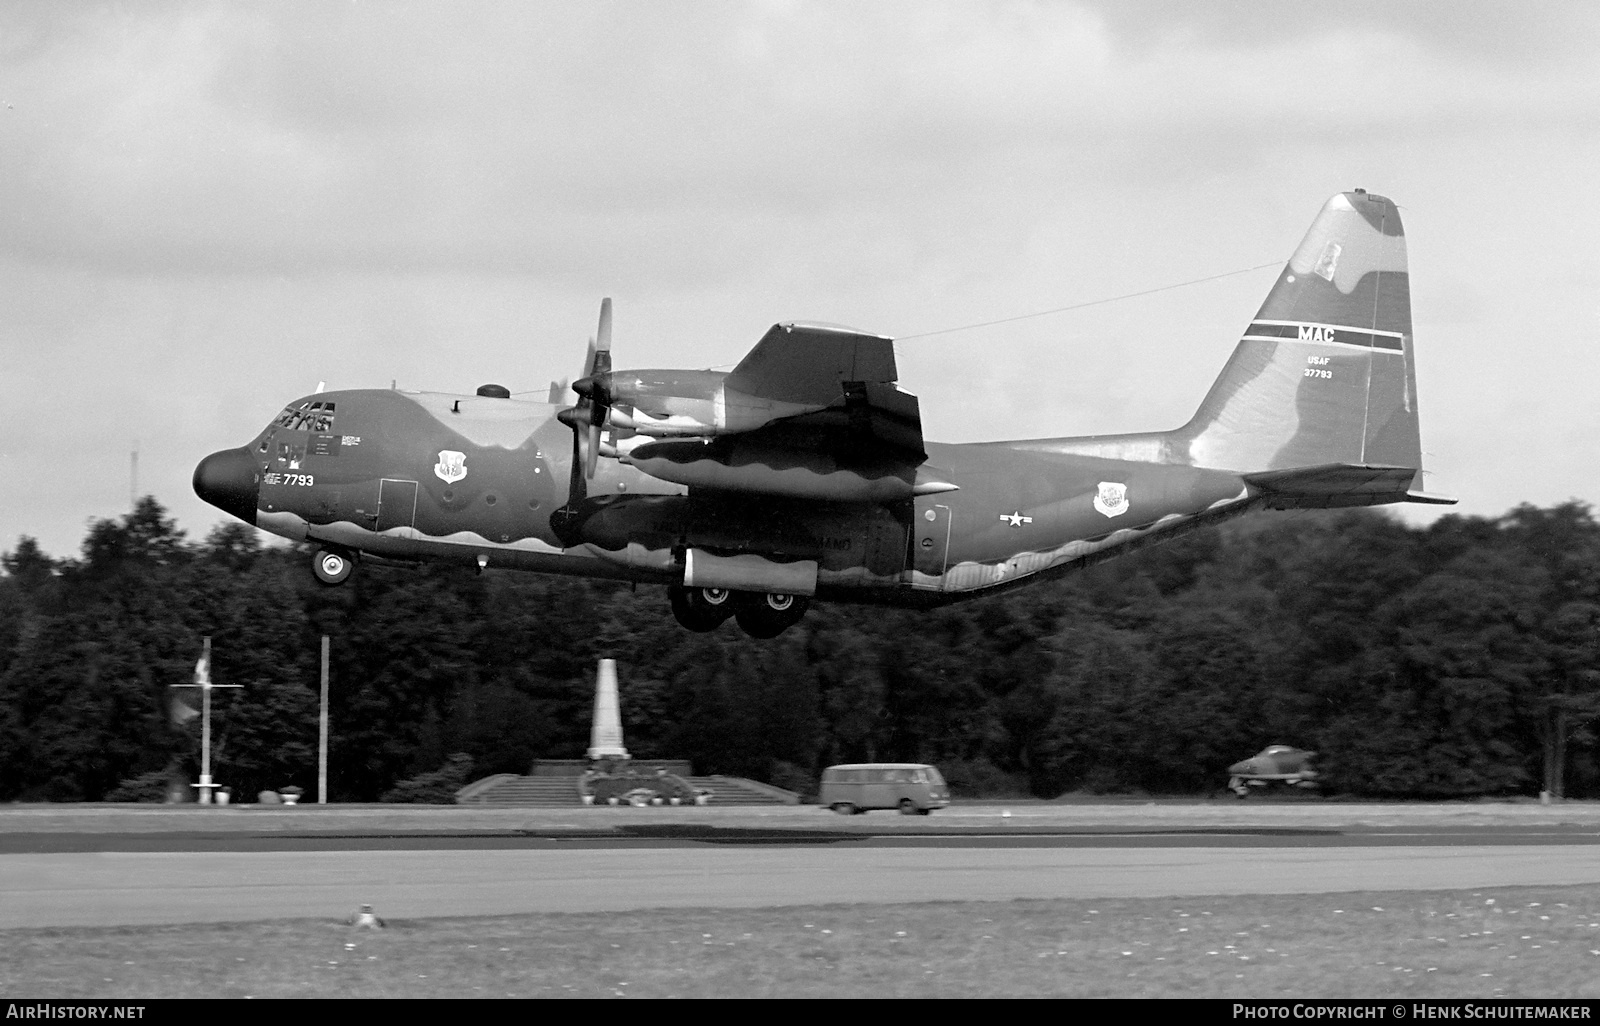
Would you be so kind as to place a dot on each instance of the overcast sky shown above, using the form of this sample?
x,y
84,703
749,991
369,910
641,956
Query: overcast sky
x,y
207,208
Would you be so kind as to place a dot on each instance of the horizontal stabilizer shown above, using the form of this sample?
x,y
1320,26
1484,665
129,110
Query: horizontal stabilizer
x,y
1338,484
1432,498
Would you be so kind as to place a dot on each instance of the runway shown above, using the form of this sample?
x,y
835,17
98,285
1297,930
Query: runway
x,y
193,866
121,888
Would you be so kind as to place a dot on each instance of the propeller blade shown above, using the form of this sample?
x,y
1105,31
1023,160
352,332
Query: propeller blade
x,y
576,490
600,360
595,387
565,520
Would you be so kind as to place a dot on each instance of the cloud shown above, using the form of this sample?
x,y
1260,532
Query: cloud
x,y
1475,31
535,138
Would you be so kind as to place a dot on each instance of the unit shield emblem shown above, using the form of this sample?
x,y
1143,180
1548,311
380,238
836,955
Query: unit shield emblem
x,y
1112,499
452,466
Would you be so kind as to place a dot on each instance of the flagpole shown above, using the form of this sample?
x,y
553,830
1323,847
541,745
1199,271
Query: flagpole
x,y
322,731
202,680
205,729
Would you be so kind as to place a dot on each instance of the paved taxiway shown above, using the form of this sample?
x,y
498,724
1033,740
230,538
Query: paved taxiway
x,y
117,866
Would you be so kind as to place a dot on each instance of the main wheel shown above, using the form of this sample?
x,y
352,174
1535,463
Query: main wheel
x,y
332,566
908,807
844,808
769,615
700,609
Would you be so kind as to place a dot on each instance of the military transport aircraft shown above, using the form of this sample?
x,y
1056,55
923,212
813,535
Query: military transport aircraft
x,y
802,474
1274,764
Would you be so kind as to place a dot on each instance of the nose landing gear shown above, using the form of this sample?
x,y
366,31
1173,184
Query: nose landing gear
x,y
332,566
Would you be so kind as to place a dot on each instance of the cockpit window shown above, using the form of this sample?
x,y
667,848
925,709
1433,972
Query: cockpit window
x,y
308,415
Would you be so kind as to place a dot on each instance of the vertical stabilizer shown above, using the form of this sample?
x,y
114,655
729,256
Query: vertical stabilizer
x,y
1324,374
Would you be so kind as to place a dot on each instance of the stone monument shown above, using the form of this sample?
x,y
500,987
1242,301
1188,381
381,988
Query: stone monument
x,y
605,735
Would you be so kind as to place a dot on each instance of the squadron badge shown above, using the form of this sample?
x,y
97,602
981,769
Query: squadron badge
x,y
452,466
1112,499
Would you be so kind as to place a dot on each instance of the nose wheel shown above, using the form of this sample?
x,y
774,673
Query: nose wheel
x,y
332,566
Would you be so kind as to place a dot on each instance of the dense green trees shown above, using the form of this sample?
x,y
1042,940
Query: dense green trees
x,y
1459,659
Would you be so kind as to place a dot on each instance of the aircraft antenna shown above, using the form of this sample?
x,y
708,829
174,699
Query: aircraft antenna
x,y
1092,302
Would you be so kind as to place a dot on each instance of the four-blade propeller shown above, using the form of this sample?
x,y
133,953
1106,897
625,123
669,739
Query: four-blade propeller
x,y
595,386
588,417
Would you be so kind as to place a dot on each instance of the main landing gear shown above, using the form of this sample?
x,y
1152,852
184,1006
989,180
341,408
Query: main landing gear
x,y
760,615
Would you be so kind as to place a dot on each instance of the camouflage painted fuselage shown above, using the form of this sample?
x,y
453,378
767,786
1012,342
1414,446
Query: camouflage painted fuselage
x,y
473,479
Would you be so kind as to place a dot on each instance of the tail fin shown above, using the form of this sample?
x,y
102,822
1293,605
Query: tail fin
x,y
1324,376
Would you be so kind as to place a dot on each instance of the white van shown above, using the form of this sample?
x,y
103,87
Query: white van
x,y
908,786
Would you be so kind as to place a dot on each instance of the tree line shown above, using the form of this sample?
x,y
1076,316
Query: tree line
x,y
1449,660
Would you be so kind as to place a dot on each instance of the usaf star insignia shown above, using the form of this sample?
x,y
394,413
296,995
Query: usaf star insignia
x,y
1015,518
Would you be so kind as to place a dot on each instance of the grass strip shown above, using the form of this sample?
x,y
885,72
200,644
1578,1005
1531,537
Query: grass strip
x,y
1493,942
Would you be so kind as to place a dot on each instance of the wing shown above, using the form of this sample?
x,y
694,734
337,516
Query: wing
x,y
844,380
840,429
867,447
795,370
811,412
812,364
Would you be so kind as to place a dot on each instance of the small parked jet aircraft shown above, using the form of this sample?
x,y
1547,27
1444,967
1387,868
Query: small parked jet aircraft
x,y
803,473
1273,764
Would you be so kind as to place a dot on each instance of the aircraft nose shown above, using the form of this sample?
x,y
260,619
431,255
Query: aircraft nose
x,y
1238,768
230,481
